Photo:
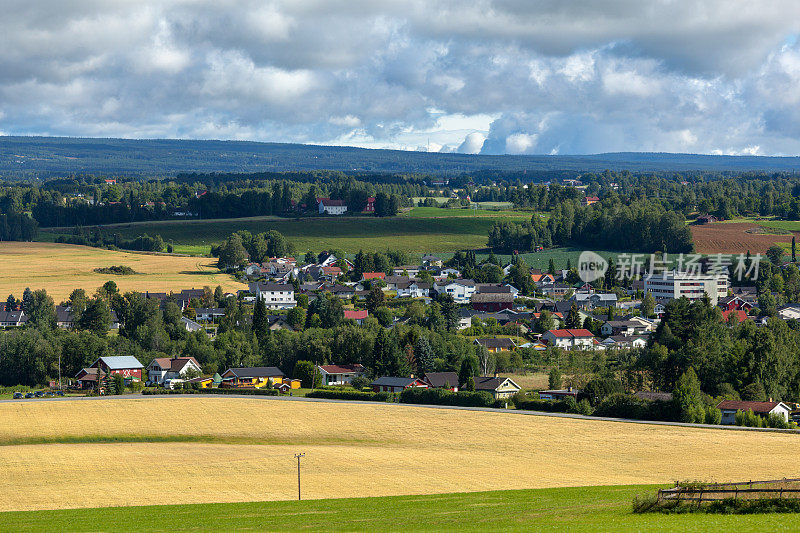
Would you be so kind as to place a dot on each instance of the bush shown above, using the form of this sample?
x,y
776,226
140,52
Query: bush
x,y
418,395
152,391
623,406
599,389
390,397
585,408
118,270
548,406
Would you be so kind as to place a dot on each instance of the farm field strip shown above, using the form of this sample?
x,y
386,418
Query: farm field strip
x,y
586,509
737,237
61,268
352,450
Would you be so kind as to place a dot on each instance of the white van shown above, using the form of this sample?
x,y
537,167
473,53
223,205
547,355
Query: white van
x,y
170,383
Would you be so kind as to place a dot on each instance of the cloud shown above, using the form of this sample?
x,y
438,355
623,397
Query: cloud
x,y
491,76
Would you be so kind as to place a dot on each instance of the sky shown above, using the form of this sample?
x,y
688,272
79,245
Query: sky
x,y
491,77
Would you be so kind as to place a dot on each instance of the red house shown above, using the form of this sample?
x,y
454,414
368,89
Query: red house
x,y
589,200
732,303
370,205
126,365
491,302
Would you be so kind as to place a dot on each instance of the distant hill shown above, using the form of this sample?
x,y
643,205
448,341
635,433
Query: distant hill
x,y
42,157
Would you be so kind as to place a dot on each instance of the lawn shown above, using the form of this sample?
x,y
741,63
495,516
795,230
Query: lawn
x,y
60,268
101,452
489,210
350,234
562,509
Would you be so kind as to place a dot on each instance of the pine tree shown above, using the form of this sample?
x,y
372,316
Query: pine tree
x,y
551,267
424,355
573,320
260,319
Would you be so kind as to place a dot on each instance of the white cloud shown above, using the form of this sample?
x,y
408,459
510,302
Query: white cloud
x,y
472,144
520,143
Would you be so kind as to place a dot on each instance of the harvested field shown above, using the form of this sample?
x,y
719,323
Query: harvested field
x,y
245,451
735,238
60,268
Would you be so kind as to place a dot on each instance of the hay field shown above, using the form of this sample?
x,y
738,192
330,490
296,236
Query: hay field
x,y
351,450
736,238
60,268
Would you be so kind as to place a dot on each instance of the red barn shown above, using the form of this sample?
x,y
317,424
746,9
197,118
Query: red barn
x,y
125,365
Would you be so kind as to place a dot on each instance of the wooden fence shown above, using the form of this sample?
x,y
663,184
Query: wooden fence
x,y
751,490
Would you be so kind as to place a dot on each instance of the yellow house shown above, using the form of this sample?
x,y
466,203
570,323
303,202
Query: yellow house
x,y
499,387
207,383
252,377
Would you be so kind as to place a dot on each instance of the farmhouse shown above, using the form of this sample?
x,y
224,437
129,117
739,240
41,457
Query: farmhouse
x,y
328,206
392,384
251,377
442,380
275,295
162,368
125,365
764,409
499,387
340,374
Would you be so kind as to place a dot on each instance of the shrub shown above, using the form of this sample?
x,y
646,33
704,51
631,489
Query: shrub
x,y
418,395
118,270
354,395
623,406
584,407
152,391
598,389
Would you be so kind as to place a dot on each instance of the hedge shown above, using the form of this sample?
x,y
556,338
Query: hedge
x,y
549,406
249,392
445,397
353,395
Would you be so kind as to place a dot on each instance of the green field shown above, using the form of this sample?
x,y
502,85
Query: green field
x,y
415,232
782,225
564,509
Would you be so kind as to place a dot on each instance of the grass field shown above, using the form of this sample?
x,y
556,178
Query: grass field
x,y
151,451
60,268
586,509
420,230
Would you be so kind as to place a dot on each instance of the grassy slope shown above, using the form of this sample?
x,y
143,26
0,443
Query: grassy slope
x,y
416,233
564,509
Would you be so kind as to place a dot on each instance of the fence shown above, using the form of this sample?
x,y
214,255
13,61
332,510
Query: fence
x,y
749,490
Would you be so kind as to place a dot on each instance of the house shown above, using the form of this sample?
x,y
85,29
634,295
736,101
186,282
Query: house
x,y
327,206
407,270
589,200
125,365
734,302
86,378
556,290
789,312
497,345
442,380
764,409
253,269
370,208
413,289
206,382
622,327
706,219
162,368
392,384
431,260
569,339
393,282
208,314
542,280
740,315
190,325
358,316
372,275
275,295
591,300
492,301
13,319
64,317
625,341
340,374
345,292
460,289
251,377
499,387
558,394
278,322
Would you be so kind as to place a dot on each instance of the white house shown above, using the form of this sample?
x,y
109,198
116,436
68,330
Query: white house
x,y
622,327
730,407
569,339
340,374
208,314
413,289
171,368
460,289
275,295
190,325
328,206
622,341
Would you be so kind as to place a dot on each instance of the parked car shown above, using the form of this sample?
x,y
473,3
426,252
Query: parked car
x,y
29,395
39,394
18,395
59,393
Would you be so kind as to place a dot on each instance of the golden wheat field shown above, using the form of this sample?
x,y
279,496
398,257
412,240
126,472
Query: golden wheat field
x,y
60,268
351,450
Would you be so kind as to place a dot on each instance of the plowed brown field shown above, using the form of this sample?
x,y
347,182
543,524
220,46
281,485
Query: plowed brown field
x,y
734,238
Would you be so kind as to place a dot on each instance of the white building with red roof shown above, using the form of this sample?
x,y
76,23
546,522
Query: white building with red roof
x,y
340,374
328,206
569,339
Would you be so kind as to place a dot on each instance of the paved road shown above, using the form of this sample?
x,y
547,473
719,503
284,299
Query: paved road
x,y
397,405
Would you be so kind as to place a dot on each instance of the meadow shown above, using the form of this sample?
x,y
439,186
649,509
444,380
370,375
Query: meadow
x,y
192,450
60,268
562,509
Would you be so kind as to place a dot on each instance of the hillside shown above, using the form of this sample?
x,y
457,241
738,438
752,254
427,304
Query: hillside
x,y
42,157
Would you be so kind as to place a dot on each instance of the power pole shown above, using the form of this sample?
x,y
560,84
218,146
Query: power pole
x,y
298,456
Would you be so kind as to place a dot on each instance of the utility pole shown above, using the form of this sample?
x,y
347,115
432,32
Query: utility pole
x,y
298,456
